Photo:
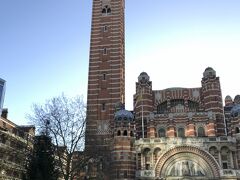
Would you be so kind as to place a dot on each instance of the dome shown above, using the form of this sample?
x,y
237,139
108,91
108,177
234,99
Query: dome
x,y
209,72
143,77
123,115
209,69
228,100
237,99
235,110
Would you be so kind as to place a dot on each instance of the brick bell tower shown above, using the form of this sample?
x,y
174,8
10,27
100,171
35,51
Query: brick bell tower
x,y
106,78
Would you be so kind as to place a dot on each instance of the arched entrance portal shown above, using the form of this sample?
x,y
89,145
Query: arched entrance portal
x,y
187,162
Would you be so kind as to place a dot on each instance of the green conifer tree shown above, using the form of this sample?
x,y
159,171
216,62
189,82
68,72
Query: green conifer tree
x,y
42,164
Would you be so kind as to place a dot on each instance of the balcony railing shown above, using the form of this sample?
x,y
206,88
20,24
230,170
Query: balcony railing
x,y
145,173
186,140
230,172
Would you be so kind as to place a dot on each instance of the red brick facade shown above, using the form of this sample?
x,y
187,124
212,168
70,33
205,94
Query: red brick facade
x,y
174,133
106,81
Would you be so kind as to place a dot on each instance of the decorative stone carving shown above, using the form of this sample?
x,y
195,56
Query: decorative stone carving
x,y
103,127
202,160
185,168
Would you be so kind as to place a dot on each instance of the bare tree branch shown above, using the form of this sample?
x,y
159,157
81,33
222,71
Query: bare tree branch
x,y
65,120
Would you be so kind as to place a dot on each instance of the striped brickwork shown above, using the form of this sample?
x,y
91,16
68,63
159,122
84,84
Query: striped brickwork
x,y
212,100
123,153
106,70
174,108
143,106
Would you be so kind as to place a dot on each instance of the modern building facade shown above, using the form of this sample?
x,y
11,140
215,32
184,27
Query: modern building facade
x,y
2,93
174,133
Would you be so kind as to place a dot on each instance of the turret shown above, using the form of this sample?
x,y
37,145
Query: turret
x,y
143,103
212,98
123,151
228,101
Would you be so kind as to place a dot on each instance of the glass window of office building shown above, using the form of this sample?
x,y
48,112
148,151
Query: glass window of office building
x,y
2,92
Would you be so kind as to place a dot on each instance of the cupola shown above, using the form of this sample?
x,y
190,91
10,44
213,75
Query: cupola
x,y
209,73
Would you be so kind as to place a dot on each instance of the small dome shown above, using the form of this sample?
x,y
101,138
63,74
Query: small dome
x,y
235,110
237,99
143,77
209,69
123,115
209,72
228,100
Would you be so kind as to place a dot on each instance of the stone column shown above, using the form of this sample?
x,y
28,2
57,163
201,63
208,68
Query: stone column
x,y
231,159
220,158
152,161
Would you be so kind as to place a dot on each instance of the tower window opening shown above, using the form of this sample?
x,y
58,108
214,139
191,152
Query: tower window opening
x,y
105,51
131,134
106,10
104,76
103,106
125,133
105,28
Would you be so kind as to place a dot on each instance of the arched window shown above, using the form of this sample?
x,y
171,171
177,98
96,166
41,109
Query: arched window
x,y
162,108
106,10
225,157
125,133
119,133
161,132
201,132
147,156
193,106
175,102
181,132
213,150
156,154
237,130
3,138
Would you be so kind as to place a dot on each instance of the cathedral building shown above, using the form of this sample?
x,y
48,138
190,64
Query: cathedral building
x,y
174,133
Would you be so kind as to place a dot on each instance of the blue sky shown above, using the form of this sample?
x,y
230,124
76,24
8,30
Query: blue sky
x,y
44,47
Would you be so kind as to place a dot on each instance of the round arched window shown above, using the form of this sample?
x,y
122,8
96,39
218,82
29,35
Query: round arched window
x,y
181,132
161,132
201,132
237,130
